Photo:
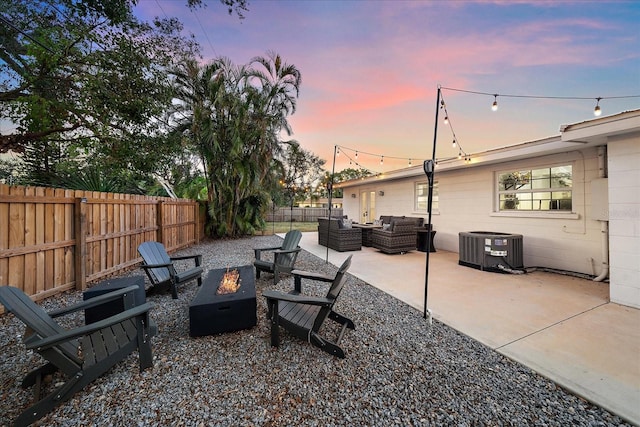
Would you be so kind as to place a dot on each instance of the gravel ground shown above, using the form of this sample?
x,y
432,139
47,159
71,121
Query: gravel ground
x,y
398,370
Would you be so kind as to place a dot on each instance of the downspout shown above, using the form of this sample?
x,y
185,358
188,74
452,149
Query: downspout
x,y
604,225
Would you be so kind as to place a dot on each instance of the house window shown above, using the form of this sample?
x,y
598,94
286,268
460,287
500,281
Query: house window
x,y
422,196
542,189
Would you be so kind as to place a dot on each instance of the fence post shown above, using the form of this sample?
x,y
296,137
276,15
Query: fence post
x,y
80,219
160,222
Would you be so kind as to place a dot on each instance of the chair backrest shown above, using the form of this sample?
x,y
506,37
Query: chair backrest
x,y
155,253
291,241
333,293
35,318
403,226
338,281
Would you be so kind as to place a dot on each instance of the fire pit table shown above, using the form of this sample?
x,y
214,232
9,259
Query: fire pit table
x,y
211,313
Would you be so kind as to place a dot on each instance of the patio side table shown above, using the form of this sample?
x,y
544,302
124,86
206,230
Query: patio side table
x,y
108,309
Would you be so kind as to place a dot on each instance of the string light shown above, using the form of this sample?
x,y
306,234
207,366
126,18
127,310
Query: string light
x,y
597,111
356,155
454,143
494,106
338,152
446,120
345,152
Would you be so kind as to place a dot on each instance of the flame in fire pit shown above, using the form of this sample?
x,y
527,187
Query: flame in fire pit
x,y
230,282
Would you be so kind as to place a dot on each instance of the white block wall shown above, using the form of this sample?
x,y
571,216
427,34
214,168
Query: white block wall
x,y
467,203
624,220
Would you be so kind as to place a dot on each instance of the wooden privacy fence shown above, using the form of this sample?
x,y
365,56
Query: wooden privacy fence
x,y
52,240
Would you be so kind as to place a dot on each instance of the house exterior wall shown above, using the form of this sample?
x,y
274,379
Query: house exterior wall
x,y
624,220
467,202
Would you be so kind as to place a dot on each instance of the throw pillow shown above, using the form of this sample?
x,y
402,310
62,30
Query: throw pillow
x,y
386,227
347,223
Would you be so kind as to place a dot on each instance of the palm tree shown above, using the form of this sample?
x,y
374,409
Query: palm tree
x,y
232,116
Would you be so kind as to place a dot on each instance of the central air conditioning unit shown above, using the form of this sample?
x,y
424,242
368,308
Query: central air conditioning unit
x,y
487,250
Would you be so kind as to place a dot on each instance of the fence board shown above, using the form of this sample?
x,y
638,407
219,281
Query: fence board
x,y
39,235
30,240
4,233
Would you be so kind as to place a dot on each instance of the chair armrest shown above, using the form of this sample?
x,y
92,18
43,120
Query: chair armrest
x,y
148,266
290,251
313,276
258,251
53,340
196,258
300,299
92,302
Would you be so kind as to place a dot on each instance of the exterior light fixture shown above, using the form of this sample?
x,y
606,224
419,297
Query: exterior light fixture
x,y
494,106
381,193
597,111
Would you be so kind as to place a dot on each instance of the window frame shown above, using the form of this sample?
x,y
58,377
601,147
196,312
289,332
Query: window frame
x,y
530,190
435,205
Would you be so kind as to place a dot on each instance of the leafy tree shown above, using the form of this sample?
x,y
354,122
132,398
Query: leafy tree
x,y
344,175
301,170
88,81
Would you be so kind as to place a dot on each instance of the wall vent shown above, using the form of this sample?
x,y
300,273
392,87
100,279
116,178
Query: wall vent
x,y
486,250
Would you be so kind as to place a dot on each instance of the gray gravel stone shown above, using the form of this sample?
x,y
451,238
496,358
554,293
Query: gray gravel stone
x,y
398,370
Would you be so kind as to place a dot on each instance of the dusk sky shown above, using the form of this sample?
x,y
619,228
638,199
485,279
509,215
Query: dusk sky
x,y
371,69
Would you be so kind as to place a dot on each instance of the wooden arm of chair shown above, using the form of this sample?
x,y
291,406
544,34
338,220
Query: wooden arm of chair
x,y
297,298
298,275
259,250
312,276
92,302
54,340
149,266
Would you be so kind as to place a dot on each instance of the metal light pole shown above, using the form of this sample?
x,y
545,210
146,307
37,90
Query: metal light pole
x,y
429,170
330,189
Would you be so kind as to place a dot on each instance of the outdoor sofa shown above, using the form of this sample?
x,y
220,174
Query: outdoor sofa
x,y
339,235
398,237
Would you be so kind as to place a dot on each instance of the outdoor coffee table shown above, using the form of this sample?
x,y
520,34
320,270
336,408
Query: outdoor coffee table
x,y
366,232
211,314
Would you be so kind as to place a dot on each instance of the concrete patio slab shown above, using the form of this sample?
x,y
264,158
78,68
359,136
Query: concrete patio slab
x,y
561,326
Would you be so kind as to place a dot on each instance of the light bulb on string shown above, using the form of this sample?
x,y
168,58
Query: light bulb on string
x,y
459,155
337,152
453,144
356,155
382,160
494,106
409,162
446,120
597,111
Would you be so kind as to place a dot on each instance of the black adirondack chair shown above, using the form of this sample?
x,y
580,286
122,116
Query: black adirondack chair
x,y
81,354
160,268
284,256
303,315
